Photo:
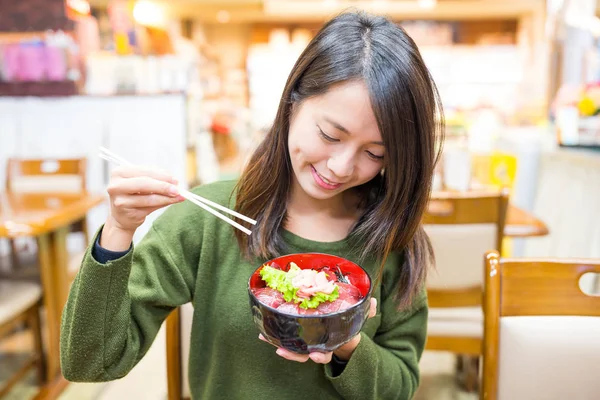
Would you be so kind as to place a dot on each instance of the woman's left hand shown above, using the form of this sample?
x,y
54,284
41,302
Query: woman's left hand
x,y
343,353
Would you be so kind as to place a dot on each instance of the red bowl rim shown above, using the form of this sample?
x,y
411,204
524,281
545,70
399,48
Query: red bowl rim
x,y
360,302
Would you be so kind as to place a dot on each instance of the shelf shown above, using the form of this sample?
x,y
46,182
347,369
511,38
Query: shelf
x,y
14,36
581,146
38,89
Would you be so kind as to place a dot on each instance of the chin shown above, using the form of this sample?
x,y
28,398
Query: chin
x,y
320,195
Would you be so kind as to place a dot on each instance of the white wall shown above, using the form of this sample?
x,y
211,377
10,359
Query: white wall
x,y
149,130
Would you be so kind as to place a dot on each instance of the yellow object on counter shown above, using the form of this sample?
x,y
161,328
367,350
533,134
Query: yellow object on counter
x,y
503,170
122,46
495,169
587,106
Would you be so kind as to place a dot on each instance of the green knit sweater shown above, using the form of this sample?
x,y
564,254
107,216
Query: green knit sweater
x,y
115,310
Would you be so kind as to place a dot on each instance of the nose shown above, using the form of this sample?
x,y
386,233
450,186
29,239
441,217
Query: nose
x,y
342,164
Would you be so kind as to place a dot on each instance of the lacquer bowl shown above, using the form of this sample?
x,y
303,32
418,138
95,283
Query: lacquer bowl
x,y
309,333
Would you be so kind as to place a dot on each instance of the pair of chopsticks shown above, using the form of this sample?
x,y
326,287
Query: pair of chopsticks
x,y
194,198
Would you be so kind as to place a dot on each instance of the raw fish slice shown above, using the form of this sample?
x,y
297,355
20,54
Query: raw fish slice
x,y
289,308
270,297
348,292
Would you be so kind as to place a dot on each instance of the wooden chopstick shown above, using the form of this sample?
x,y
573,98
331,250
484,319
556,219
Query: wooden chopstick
x,y
192,197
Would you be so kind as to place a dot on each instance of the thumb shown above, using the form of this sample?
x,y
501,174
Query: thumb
x,y
373,309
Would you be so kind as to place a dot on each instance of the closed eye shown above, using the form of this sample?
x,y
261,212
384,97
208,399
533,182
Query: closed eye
x,y
326,137
374,156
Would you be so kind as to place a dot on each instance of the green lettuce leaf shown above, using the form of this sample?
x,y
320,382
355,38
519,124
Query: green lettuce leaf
x,y
318,298
282,282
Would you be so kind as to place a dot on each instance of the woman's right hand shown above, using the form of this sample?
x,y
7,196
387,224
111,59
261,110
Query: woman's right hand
x,y
135,192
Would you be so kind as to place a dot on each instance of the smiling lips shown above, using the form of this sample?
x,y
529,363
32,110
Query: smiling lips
x,y
322,181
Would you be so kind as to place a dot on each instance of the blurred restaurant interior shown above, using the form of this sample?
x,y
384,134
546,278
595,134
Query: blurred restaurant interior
x,y
191,86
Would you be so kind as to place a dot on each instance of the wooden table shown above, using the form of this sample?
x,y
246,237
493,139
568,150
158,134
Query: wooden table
x,y
47,217
521,223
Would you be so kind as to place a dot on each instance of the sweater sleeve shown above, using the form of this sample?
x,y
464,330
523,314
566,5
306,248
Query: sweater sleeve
x,y
386,366
114,310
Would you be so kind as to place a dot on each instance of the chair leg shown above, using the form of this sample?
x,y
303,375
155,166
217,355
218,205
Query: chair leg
x,y
472,375
14,253
459,364
467,372
35,325
8,385
31,318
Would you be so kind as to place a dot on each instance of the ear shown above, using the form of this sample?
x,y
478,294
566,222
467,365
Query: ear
x,y
294,107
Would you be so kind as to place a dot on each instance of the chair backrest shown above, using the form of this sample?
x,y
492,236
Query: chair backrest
x,y
179,326
46,175
19,304
462,227
15,299
542,332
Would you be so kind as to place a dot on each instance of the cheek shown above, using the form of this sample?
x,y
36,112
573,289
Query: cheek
x,y
293,142
370,171
305,147
295,150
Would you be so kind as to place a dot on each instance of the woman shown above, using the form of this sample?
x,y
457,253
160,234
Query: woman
x,y
346,169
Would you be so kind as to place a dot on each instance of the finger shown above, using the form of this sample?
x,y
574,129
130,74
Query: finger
x,y
288,355
142,185
151,201
132,171
261,337
373,309
321,358
149,210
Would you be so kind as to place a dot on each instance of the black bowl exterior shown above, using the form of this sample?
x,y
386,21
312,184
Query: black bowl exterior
x,y
305,334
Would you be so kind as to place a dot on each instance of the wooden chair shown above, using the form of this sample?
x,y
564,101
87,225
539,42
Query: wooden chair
x,y
179,326
542,333
19,304
462,228
47,176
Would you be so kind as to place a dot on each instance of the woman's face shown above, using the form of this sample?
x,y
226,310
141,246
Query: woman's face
x,y
334,141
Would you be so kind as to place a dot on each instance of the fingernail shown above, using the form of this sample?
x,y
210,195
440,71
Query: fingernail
x,y
173,191
279,352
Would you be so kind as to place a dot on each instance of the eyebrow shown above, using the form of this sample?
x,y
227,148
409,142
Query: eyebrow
x,y
341,128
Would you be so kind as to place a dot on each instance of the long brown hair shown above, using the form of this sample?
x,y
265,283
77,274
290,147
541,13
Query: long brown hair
x,y
406,104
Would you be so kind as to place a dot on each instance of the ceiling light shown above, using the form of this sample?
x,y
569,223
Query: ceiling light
x,y
149,14
223,16
427,4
